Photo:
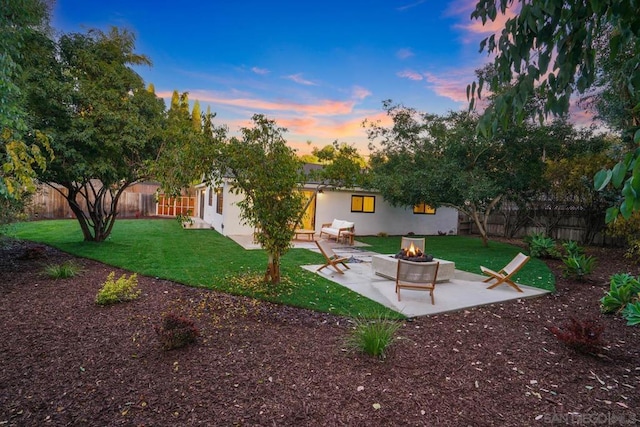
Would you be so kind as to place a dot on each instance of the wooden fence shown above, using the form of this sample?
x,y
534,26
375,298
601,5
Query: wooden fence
x,y
137,201
568,225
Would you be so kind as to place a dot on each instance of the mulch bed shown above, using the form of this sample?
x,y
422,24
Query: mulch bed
x,y
66,361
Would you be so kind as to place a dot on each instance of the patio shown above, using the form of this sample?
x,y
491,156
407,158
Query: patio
x,y
464,290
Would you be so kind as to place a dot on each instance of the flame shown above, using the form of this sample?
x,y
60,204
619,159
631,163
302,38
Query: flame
x,y
412,250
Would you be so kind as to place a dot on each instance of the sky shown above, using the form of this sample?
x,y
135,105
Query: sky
x,y
318,68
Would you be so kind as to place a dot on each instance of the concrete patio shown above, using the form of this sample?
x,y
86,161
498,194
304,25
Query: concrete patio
x,y
464,290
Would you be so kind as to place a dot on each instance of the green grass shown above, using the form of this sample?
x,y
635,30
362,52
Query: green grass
x,y
62,271
204,258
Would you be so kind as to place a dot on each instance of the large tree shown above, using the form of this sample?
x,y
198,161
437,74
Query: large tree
x,y
550,47
23,147
442,161
106,126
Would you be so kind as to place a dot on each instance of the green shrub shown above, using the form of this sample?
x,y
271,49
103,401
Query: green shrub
x,y
623,289
176,331
629,230
62,271
631,312
572,248
578,266
114,291
541,246
373,336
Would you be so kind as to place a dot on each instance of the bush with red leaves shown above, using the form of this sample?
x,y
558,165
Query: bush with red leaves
x,y
176,331
585,336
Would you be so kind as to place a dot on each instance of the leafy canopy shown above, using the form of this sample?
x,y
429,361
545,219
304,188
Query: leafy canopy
x,y
550,48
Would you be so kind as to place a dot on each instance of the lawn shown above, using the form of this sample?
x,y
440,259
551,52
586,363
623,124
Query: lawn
x,y
204,258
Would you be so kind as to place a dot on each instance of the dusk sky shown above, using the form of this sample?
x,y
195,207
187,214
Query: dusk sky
x,y
317,68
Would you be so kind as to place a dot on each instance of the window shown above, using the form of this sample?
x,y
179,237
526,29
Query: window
x,y
210,196
219,200
423,209
366,204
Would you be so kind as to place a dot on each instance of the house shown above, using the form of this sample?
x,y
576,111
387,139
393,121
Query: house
x,y
367,209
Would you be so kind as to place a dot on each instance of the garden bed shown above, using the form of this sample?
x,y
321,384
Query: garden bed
x,y
66,361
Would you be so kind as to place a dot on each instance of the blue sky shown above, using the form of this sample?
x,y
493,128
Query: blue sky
x,y
318,68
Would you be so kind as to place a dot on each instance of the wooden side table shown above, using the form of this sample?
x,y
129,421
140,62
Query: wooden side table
x,y
301,232
347,237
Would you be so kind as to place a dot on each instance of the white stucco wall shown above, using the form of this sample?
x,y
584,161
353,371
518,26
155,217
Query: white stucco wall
x,y
332,204
386,218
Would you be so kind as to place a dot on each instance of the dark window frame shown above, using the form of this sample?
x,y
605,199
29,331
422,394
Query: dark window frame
x,y
363,197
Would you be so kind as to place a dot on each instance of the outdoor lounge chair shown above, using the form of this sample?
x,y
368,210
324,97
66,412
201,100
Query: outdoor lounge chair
x,y
418,276
504,275
332,260
418,243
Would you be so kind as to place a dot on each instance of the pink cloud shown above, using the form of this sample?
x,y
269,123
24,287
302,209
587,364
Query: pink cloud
x,y
323,107
454,86
475,26
360,93
410,74
405,53
300,80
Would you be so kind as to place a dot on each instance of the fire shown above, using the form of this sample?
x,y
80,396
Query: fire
x,y
412,250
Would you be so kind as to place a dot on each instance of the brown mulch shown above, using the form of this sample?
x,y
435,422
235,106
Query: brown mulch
x,y
66,361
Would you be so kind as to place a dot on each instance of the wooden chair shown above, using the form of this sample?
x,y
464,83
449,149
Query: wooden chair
x,y
505,274
332,260
418,243
418,276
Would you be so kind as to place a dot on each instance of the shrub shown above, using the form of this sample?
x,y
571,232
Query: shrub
x,y
62,271
541,246
176,331
583,336
572,248
623,289
631,312
114,291
373,336
578,266
628,229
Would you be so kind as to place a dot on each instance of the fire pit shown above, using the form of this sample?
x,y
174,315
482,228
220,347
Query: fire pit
x,y
413,253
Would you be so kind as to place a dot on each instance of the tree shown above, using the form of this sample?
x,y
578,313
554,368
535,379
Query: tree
x,y
268,174
20,156
442,161
343,165
550,47
106,126
196,116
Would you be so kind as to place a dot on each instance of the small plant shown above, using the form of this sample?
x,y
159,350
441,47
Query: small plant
x,y
62,271
185,219
373,336
578,266
572,248
115,291
382,234
583,336
631,312
176,331
623,289
541,246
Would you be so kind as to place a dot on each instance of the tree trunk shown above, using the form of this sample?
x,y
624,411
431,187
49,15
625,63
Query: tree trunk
x,y
272,275
97,221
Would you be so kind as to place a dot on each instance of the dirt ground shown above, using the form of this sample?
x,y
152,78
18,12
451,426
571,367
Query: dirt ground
x,y
66,361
